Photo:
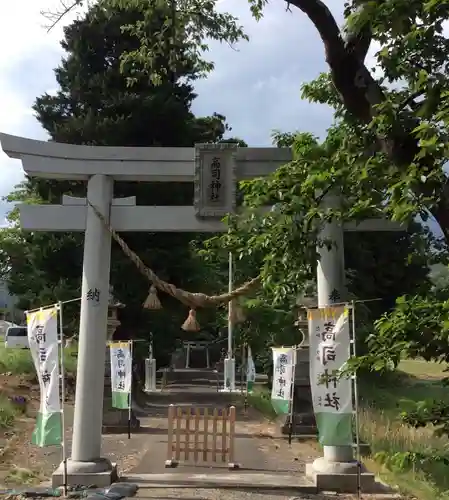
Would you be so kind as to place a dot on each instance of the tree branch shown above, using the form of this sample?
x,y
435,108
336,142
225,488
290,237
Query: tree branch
x,y
359,41
55,17
324,22
351,78
361,93
410,100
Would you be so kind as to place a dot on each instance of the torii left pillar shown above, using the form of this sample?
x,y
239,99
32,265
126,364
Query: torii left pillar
x,y
86,443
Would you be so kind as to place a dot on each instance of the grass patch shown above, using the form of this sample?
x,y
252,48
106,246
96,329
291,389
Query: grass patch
x,y
22,476
20,362
9,409
8,412
70,360
424,369
260,399
393,444
15,361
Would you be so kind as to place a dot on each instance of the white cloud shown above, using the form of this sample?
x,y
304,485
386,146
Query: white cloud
x,y
4,223
371,60
27,50
258,86
23,29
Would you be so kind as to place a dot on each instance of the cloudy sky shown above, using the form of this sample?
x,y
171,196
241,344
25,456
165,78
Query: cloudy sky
x,y
256,85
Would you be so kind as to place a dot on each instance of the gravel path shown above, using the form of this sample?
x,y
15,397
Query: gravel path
x,y
207,494
257,447
224,494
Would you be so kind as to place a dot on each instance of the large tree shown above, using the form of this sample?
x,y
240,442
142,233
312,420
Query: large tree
x,y
95,105
395,132
389,152
401,115
386,150
281,246
395,124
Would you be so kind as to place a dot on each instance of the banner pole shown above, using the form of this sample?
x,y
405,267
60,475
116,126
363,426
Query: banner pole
x,y
292,395
356,408
242,367
130,389
246,355
51,305
62,387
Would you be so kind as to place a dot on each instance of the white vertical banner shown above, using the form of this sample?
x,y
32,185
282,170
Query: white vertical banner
x,y
331,392
283,372
121,374
43,340
250,372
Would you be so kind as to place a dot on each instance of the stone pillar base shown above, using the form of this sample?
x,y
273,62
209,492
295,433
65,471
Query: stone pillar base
x,y
100,473
341,477
229,375
150,375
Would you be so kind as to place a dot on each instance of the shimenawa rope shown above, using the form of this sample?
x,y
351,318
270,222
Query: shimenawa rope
x,y
193,300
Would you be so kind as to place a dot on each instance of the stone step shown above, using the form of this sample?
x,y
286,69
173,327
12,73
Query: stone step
x,y
303,417
185,376
304,430
233,480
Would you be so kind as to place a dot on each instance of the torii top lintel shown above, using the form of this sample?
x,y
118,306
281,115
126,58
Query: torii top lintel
x,y
53,160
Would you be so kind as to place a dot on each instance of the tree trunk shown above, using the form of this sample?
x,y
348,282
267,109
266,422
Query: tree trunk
x,y
360,94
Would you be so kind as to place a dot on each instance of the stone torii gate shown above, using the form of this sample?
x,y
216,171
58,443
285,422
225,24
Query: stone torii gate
x,y
215,169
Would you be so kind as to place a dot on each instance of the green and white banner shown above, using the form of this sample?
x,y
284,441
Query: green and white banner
x,y
250,372
283,371
43,340
331,393
121,374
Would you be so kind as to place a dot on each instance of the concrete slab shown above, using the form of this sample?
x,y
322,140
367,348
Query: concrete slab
x,y
241,480
99,479
344,483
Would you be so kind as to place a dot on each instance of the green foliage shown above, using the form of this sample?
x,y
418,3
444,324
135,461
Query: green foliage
x,y
429,412
384,154
281,245
390,130
388,145
260,399
183,26
284,240
406,460
418,327
94,104
411,458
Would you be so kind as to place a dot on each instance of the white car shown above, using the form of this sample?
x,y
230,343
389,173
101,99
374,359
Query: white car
x,y
17,337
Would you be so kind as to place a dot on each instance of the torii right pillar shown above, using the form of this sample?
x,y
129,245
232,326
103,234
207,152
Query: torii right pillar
x,y
336,470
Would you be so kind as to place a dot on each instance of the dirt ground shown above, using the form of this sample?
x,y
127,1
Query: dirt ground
x,y
23,463
258,444
16,441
